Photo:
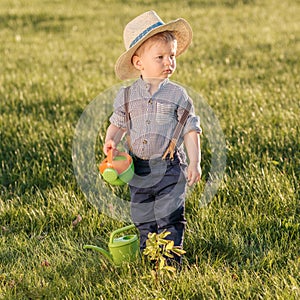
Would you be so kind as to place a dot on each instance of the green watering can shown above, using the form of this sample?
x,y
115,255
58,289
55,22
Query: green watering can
x,y
121,249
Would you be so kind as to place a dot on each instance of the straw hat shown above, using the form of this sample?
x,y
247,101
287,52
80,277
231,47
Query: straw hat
x,y
143,27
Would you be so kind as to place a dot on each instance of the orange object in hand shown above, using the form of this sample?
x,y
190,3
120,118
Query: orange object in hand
x,y
117,169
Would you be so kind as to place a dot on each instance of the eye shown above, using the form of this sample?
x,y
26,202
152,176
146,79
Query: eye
x,y
160,57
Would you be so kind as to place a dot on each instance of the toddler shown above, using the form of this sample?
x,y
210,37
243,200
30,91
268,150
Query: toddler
x,y
158,119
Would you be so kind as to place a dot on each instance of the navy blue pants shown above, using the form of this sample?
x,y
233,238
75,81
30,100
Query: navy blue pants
x,y
158,192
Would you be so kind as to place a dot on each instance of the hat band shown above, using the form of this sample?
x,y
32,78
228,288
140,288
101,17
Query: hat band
x,y
144,33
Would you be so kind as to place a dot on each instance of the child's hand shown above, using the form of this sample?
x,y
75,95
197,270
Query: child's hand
x,y
109,145
193,173
113,136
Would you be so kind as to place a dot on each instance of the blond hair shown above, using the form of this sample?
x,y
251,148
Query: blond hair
x,y
165,36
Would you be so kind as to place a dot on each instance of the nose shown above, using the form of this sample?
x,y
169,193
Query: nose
x,y
168,61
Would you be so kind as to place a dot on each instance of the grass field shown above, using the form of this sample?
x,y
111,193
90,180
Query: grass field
x,y
57,56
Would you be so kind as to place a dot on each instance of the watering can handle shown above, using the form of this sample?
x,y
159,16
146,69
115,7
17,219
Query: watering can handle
x,y
119,231
110,155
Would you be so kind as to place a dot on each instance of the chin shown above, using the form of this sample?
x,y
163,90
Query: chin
x,y
167,75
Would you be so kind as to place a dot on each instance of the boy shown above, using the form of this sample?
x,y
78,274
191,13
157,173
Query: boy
x,y
149,111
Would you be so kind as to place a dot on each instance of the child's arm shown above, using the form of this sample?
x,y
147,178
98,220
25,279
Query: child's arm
x,y
114,135
192,144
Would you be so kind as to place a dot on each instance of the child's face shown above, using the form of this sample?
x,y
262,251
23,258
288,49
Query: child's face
x,y
156,59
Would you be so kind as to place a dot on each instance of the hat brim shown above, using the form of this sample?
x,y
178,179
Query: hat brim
x,y
124,68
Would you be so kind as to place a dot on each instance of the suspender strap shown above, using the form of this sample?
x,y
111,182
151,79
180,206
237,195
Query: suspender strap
x,y
178,129
127,115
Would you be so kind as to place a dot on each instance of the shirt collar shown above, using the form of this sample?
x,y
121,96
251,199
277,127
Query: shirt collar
x,y
144,85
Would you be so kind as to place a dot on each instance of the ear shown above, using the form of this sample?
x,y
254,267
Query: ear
x,y
136,61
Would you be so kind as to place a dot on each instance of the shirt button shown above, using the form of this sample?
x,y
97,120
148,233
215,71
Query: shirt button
x,y
145,142
150,101
148,121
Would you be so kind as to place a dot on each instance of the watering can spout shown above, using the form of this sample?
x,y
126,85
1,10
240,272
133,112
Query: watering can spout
x,y
101,250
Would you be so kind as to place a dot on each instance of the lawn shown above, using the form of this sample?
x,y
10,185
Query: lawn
x,y
243,72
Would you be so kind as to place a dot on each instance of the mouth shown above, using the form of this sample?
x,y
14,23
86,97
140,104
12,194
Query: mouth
x,y
168,71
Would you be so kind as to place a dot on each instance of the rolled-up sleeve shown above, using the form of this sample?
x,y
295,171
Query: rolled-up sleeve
x,y
118,117
192,124
193,121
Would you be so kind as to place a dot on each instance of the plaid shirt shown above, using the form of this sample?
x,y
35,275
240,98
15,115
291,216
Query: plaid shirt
x,y
153,118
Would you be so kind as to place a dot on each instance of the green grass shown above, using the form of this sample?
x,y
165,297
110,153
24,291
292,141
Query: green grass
x,y
57,56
